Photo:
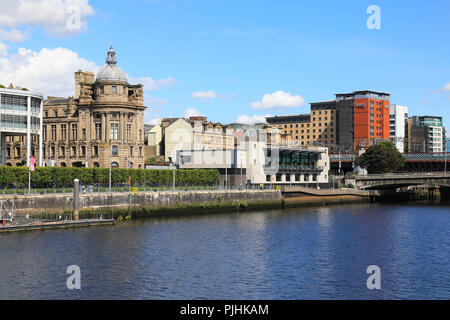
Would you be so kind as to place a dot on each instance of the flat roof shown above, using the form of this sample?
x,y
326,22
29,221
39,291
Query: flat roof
x,y
323,105
289,119
363,92
21,93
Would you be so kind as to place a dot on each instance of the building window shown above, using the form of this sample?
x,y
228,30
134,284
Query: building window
x,y
114,131
53,132
63,132
63,152
140,135
74,131
102,90
140,151
114,89
128,131
56,113
74,151
84,133
131,151
17,152
83,151
95,150
115,150
44,132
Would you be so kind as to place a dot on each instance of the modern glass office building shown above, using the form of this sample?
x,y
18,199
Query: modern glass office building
x,y
428,134
20,116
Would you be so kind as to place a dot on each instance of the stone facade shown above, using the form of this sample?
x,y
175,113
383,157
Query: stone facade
x,y
102,125
195,133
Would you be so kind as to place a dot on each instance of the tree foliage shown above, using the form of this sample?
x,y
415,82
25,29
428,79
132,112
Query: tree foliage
x,y
381,158
44,177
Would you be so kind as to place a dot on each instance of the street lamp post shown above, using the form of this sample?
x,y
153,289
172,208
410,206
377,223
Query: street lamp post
x,y
445,162
173,177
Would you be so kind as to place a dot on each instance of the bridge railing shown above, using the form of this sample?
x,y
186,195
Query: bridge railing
x,y
435,156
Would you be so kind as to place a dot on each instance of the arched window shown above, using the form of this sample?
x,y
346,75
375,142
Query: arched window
x,y
96,164
114,164
63,164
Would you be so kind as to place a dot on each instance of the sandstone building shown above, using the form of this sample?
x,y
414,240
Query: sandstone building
x,y
102,125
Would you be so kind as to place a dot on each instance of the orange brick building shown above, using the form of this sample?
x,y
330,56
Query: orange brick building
x,y
363,118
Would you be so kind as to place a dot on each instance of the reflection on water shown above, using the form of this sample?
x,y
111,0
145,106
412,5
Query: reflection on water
x,y
292,254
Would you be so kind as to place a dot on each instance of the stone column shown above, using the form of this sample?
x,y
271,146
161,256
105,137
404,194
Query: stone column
x,y
103,117
121,124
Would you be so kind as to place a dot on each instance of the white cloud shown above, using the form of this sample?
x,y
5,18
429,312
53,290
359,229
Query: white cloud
x,y
152,84
154,101
204,95
3,50
244,119
446,88
12,35
58,17
49,71
279,99
192,113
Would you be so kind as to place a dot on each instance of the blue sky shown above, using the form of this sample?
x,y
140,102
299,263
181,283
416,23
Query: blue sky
x,y
235,52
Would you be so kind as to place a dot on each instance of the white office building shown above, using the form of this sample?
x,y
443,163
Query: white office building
x,y
21,115
398,125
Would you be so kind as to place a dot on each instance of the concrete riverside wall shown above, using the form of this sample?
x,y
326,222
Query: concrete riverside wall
x,y
98,202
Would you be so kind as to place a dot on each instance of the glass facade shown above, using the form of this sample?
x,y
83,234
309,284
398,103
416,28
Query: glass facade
x,y
15,103
296,161
430,122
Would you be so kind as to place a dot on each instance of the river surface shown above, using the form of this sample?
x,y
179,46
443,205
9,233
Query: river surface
x,y
314,253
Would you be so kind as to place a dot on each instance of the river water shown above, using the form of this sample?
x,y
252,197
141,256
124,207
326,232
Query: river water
x,y
314,253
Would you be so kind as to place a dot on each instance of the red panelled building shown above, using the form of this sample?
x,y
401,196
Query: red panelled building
x,y
363,118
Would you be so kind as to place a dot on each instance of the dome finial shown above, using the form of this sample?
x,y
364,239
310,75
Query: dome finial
x,y
111,60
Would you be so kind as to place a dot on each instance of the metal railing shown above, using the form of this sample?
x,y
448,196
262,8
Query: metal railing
x,y
90,189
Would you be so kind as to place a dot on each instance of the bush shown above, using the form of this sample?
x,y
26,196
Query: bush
x,y
45,177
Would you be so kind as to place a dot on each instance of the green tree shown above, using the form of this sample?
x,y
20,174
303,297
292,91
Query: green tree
x,y
381,158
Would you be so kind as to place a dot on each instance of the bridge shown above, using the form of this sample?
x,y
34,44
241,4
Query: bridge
x,y
393,181
415,162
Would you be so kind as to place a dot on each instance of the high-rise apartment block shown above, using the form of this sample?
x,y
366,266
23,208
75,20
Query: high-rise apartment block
x,y
399,126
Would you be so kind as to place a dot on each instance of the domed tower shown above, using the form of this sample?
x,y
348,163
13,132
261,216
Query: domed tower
x,y
111,84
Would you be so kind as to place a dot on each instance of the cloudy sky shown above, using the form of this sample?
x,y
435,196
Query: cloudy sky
x,y
234,60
